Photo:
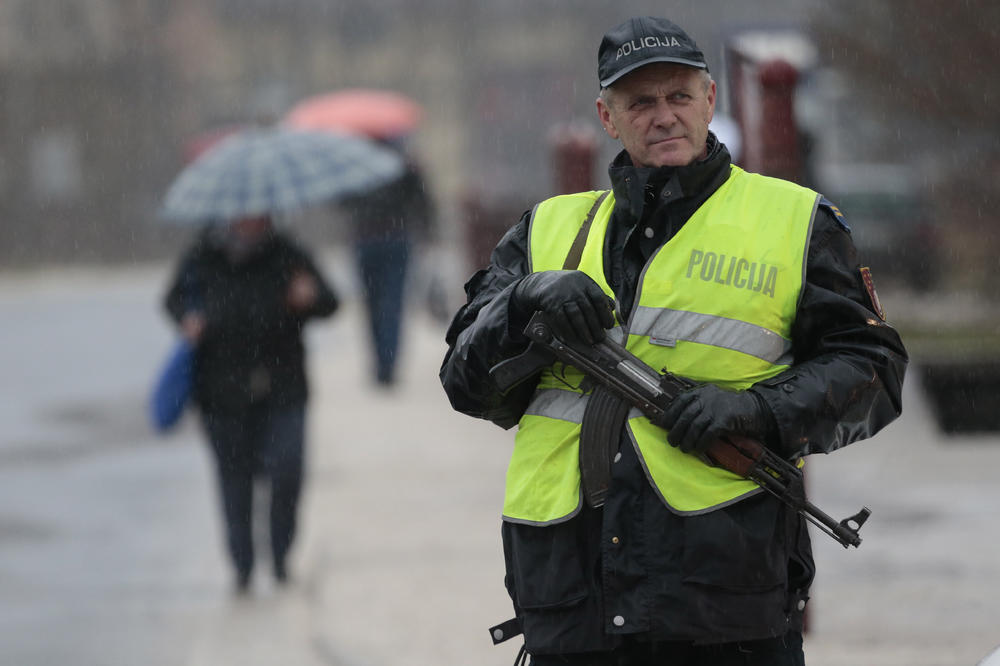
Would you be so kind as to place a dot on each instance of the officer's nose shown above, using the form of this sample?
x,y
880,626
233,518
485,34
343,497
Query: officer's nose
x,y
664,115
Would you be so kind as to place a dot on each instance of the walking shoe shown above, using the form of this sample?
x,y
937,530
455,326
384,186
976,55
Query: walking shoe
x,y
242,583
280,572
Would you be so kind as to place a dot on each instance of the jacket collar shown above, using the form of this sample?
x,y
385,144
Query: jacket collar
x,y
630,183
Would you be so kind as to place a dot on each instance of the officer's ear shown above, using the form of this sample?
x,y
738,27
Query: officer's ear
x,y
604,113
710,95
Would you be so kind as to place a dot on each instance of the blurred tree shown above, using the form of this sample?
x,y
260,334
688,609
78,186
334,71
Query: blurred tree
x,y
926,65
920,55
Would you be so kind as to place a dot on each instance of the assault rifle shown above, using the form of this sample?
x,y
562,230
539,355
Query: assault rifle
x,y
630,382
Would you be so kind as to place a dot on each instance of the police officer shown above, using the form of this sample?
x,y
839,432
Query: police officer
x,y
748,285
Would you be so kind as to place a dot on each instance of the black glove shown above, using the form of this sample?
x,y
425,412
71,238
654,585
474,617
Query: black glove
x,y
576,307
704,414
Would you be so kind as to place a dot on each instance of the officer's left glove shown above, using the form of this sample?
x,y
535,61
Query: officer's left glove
x,y
704,414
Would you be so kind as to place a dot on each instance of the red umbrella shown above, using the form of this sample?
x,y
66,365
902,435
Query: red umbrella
x,y
379,114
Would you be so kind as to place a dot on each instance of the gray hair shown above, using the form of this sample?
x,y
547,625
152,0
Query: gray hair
x,y
704,74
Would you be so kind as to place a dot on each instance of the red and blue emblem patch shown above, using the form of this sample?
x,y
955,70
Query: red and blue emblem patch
x,y
866,277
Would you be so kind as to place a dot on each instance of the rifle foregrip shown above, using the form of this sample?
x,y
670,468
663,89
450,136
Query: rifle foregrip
x,y
737,454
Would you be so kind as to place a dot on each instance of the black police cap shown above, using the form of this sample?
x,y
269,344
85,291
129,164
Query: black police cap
x,y
643,40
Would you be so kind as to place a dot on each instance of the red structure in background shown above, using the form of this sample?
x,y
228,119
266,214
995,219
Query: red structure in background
x,y
484,222
780,152
763,69
574,151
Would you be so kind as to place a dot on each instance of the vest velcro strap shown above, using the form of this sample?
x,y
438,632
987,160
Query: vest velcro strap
x,y
505,630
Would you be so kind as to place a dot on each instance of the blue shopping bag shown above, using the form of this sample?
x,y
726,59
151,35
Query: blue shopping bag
x,y
173,387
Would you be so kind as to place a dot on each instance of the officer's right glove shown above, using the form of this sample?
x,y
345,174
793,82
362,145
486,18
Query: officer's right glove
x,y
576,307
703,414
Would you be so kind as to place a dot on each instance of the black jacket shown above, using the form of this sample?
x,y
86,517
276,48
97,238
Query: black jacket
x,y
738,573
401,208
251,352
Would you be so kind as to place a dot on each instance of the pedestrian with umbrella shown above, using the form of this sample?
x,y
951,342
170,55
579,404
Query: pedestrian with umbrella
x,y
386,222
241,296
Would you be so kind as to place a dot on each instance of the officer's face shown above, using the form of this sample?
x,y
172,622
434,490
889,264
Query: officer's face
x,y
660,113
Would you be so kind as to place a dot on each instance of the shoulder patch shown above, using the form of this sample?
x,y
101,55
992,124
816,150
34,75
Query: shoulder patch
x,y
837,215
866,277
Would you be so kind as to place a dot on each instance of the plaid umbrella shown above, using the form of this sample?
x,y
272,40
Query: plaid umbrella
x,y
276,170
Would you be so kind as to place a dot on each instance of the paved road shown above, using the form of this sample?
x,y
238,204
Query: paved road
x,y
110,552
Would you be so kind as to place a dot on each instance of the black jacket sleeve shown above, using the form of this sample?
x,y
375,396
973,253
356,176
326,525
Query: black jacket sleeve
x,y
327,301
479,336
847,377
183,293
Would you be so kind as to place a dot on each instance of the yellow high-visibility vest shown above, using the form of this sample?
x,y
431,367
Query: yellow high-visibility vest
x,y
716,303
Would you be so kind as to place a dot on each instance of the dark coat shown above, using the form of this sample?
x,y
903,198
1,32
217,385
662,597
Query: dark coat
x,y
252,350
738,573
400,209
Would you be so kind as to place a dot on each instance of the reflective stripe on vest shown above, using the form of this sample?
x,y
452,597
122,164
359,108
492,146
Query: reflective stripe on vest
x,y
715,304
665,327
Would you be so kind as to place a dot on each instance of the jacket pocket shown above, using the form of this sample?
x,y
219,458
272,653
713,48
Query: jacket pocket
x,y
544,566
741,547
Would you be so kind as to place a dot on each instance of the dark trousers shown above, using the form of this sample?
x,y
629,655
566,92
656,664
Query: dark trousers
x,y
259,442
783,651
383,265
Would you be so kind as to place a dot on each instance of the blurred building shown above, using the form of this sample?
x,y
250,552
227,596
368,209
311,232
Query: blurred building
x,y
81,91
99,97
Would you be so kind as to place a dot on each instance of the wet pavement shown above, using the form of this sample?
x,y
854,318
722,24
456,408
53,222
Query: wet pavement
x,y
111,553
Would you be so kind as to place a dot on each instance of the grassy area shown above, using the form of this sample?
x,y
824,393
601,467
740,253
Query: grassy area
x,y
959,326
957,343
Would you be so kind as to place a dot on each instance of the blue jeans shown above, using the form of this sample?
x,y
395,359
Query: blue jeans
x,y
258,442
383,265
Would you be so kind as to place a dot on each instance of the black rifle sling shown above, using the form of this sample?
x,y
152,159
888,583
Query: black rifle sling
x,y
605,414
575,253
